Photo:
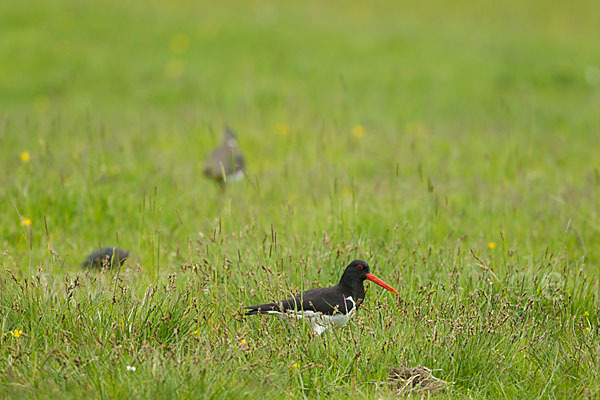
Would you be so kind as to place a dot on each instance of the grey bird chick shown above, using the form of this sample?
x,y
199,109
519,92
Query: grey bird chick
x,y
106,257
225,163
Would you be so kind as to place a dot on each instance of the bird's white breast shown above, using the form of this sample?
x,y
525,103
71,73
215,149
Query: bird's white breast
x,y
321,322
236,176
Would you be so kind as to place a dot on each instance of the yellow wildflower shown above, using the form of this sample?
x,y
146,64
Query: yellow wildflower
x,y
25,156
586,314
25,221
196,333
358,131
16,333
180,43
281,128
243,341
492,245
295,365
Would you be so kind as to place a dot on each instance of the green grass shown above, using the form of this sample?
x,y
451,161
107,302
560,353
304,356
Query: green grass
x,y
481,125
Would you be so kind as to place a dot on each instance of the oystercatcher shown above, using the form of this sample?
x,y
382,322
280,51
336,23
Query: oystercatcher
x,y
225,163
106,257
326,307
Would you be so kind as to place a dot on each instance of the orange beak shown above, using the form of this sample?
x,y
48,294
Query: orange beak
x,y
381,283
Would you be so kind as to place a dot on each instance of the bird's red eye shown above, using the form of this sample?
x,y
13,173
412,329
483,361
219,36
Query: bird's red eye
x,y
359,266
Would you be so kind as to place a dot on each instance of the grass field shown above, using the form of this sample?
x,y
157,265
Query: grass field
x,y
452,145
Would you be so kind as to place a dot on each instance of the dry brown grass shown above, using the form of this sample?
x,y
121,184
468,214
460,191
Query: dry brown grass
x,y
419,380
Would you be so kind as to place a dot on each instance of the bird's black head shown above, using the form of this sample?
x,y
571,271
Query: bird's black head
x,y
357,271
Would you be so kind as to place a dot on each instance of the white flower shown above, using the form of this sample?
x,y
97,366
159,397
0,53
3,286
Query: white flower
x,y
130,368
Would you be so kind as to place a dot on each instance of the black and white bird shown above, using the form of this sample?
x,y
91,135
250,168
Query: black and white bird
x,y
326,307
225,163
106,257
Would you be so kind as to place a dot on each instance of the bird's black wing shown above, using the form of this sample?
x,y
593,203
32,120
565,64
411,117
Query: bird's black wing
x,y
328,301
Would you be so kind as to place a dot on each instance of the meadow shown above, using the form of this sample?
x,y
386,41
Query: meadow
x,y
452,145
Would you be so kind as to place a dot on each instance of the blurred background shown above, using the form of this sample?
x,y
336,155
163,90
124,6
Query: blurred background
x,y
451,144
453,120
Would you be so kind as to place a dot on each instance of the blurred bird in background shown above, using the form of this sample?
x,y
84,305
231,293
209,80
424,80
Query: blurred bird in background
x,y
106,257
226,163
